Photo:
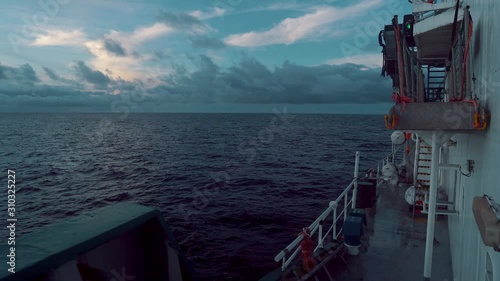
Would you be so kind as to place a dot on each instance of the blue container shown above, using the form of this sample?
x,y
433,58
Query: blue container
x,y
358,213
353,230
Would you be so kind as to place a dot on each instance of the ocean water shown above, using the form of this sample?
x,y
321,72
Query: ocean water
x,y
234,188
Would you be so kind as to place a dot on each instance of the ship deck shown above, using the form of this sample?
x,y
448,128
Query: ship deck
x,y
393,246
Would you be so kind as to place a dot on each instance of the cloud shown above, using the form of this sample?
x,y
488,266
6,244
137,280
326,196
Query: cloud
x,y
160,54
22,74
181,21
246,82
368,60
250,82
114,47
115,51
51,73
94,77
206,42
213,13
309,26
56,37
54,99
142,34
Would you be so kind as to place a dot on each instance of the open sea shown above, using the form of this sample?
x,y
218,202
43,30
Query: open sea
x,y
234,188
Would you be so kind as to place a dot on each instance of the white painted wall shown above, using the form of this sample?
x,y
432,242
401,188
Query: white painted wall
x,y
468,251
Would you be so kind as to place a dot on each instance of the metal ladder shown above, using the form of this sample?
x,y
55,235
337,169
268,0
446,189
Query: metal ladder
x,y
424,163
423,179
435,84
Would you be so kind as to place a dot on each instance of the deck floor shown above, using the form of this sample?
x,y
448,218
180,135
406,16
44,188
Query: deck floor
x,y
394,244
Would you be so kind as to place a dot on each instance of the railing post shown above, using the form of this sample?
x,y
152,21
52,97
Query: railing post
x,y
283,265
356,171
378,170
334,225
346,201
320,235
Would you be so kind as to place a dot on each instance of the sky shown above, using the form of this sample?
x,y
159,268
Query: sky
x,y
314,56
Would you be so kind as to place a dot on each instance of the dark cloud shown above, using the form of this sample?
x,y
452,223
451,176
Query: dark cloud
x,y
23,74
114,47
27,72
250,81
206,42
160,54
51,73
50,98
246,82
180,20
91,76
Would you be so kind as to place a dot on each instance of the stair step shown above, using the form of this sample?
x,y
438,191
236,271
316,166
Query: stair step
x,y
424,183
427,149
425,177
424,156
424,170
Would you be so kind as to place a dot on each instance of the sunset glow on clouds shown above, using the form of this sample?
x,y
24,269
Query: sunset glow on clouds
x,y
257,52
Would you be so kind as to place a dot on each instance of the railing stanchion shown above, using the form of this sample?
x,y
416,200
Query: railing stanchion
x,y
320,235
378,170
346,202
334,218
356,171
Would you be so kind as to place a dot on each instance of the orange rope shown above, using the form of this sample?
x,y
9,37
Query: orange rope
x,y
306,246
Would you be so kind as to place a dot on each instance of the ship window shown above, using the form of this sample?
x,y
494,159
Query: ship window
x,y
489,268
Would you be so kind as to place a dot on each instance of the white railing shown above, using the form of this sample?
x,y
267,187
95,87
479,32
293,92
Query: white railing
x,y
294,247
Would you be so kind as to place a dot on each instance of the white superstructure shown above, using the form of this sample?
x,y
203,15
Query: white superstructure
x,y
472,260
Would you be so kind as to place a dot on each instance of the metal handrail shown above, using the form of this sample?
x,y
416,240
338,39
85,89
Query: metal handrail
x,y
391,155
317,225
